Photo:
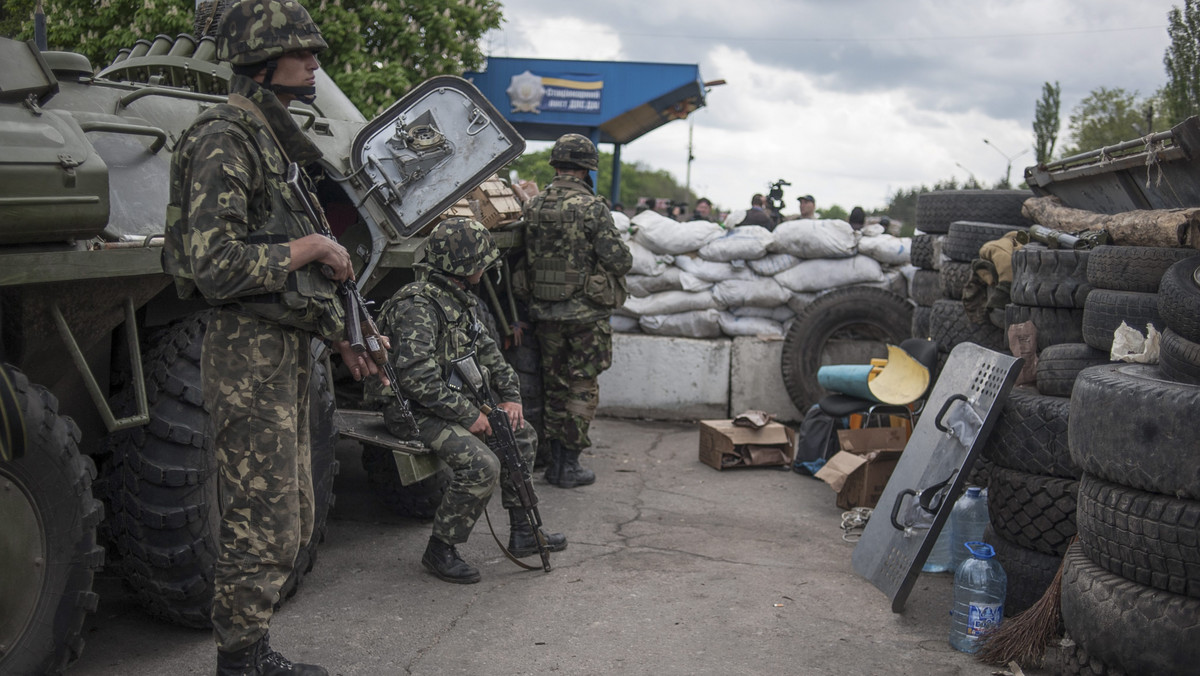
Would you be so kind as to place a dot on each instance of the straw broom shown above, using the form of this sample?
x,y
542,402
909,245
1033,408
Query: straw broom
x,y
1024,638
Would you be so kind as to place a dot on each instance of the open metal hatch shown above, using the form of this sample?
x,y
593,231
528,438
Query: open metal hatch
x,y
959,415
427,151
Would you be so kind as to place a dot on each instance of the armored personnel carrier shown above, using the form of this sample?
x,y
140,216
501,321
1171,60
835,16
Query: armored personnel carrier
x,y
106,459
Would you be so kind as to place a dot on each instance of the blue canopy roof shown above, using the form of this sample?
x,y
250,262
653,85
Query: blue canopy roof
x,y
607,101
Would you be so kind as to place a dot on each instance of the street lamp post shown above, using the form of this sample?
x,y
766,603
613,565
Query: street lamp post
x,y
1009,159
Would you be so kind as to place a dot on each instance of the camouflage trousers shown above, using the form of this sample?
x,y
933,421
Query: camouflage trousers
x,y
573,357
255,379
476,471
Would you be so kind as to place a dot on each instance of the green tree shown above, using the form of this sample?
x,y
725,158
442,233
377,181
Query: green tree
x,y
1181,95
1105,117
902,204
378,49
1046,122
835,211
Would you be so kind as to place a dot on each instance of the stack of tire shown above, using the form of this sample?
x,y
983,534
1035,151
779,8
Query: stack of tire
x,y
1131,583
956,223
1032,481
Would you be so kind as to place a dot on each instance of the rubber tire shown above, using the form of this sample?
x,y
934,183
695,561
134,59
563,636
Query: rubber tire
x,y
855,321
1055,326
920,321
1030,435
926,287
966,238
417,501
1179,299
1179,358
1033,511
949,326
1029,572
1059,365
1149,538
1075,661
1050,277
1105,309
55,482
1136,628
925,251
1132,268
954,276
165,503
936,210
1132,427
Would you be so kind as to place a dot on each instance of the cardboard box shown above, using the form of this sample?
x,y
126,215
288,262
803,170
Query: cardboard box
x,y
495,203
860,471
724,445
459,208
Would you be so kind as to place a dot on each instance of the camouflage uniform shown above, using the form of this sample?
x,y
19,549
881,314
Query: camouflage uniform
x,y
230,219
431,322
577,262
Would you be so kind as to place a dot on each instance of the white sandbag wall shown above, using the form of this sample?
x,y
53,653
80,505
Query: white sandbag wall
x,y
702,280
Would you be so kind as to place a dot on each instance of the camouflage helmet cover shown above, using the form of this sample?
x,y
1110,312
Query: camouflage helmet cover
x,y
254,31
574,151
460,247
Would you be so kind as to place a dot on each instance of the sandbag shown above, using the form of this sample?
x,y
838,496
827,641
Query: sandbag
x,y
886,248
646,262
622,324
733,325
746,242
671,279
713,271
669,302
759,292
773,264
665,236
622,222
695,324
799,301
815,238
821,274
781,313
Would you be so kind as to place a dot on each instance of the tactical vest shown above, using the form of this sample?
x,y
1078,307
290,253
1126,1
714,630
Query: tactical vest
x,y
310,300
458,336
553,235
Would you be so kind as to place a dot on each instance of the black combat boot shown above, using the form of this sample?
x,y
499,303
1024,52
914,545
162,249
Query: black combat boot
x,y
443,561
565,470
521,541
259,659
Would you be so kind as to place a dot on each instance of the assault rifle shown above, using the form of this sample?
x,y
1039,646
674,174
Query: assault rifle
x,y
1057,239
465,372
361,331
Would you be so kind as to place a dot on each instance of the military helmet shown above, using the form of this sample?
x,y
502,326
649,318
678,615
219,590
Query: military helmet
x,y
574,151
460,247
254,31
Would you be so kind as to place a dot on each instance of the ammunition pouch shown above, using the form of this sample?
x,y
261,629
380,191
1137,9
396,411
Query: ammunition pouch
x,y
554,280
606,289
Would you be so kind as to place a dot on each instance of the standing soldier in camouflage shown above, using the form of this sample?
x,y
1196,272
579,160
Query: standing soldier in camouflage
x,y
432,322
237,238
576,269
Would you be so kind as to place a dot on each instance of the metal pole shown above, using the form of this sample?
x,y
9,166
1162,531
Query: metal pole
x,y
616,174
687,186
39,27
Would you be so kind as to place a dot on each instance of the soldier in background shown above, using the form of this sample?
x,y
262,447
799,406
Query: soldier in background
x,y
233,240
432,323
576,273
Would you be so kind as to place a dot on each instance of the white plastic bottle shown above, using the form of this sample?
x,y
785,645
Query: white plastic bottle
x,y
979,589
939,560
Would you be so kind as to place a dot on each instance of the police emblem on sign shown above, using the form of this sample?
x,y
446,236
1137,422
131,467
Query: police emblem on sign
x,y
525,92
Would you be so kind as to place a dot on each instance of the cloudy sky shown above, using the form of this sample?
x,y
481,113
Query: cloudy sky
x,y
852,100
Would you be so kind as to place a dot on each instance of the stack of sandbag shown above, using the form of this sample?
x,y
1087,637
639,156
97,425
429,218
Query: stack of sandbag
x,y
705,280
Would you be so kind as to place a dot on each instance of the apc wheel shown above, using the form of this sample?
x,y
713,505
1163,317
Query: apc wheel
x,y
848,325
418,500
165,499
49,519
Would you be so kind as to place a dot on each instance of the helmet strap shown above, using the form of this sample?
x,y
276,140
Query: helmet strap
x,y
305,95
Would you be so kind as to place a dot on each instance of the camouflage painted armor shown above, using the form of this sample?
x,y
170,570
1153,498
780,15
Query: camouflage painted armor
x,y
576,260
431,323
230,245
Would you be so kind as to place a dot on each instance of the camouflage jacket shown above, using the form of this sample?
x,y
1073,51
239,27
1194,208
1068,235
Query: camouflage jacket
x,y
231,215
570,229
431,322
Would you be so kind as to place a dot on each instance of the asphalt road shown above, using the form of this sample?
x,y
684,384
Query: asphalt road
x,y
672,568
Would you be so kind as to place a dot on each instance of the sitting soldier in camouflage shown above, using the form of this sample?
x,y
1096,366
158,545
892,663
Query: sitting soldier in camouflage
x,y
432,324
